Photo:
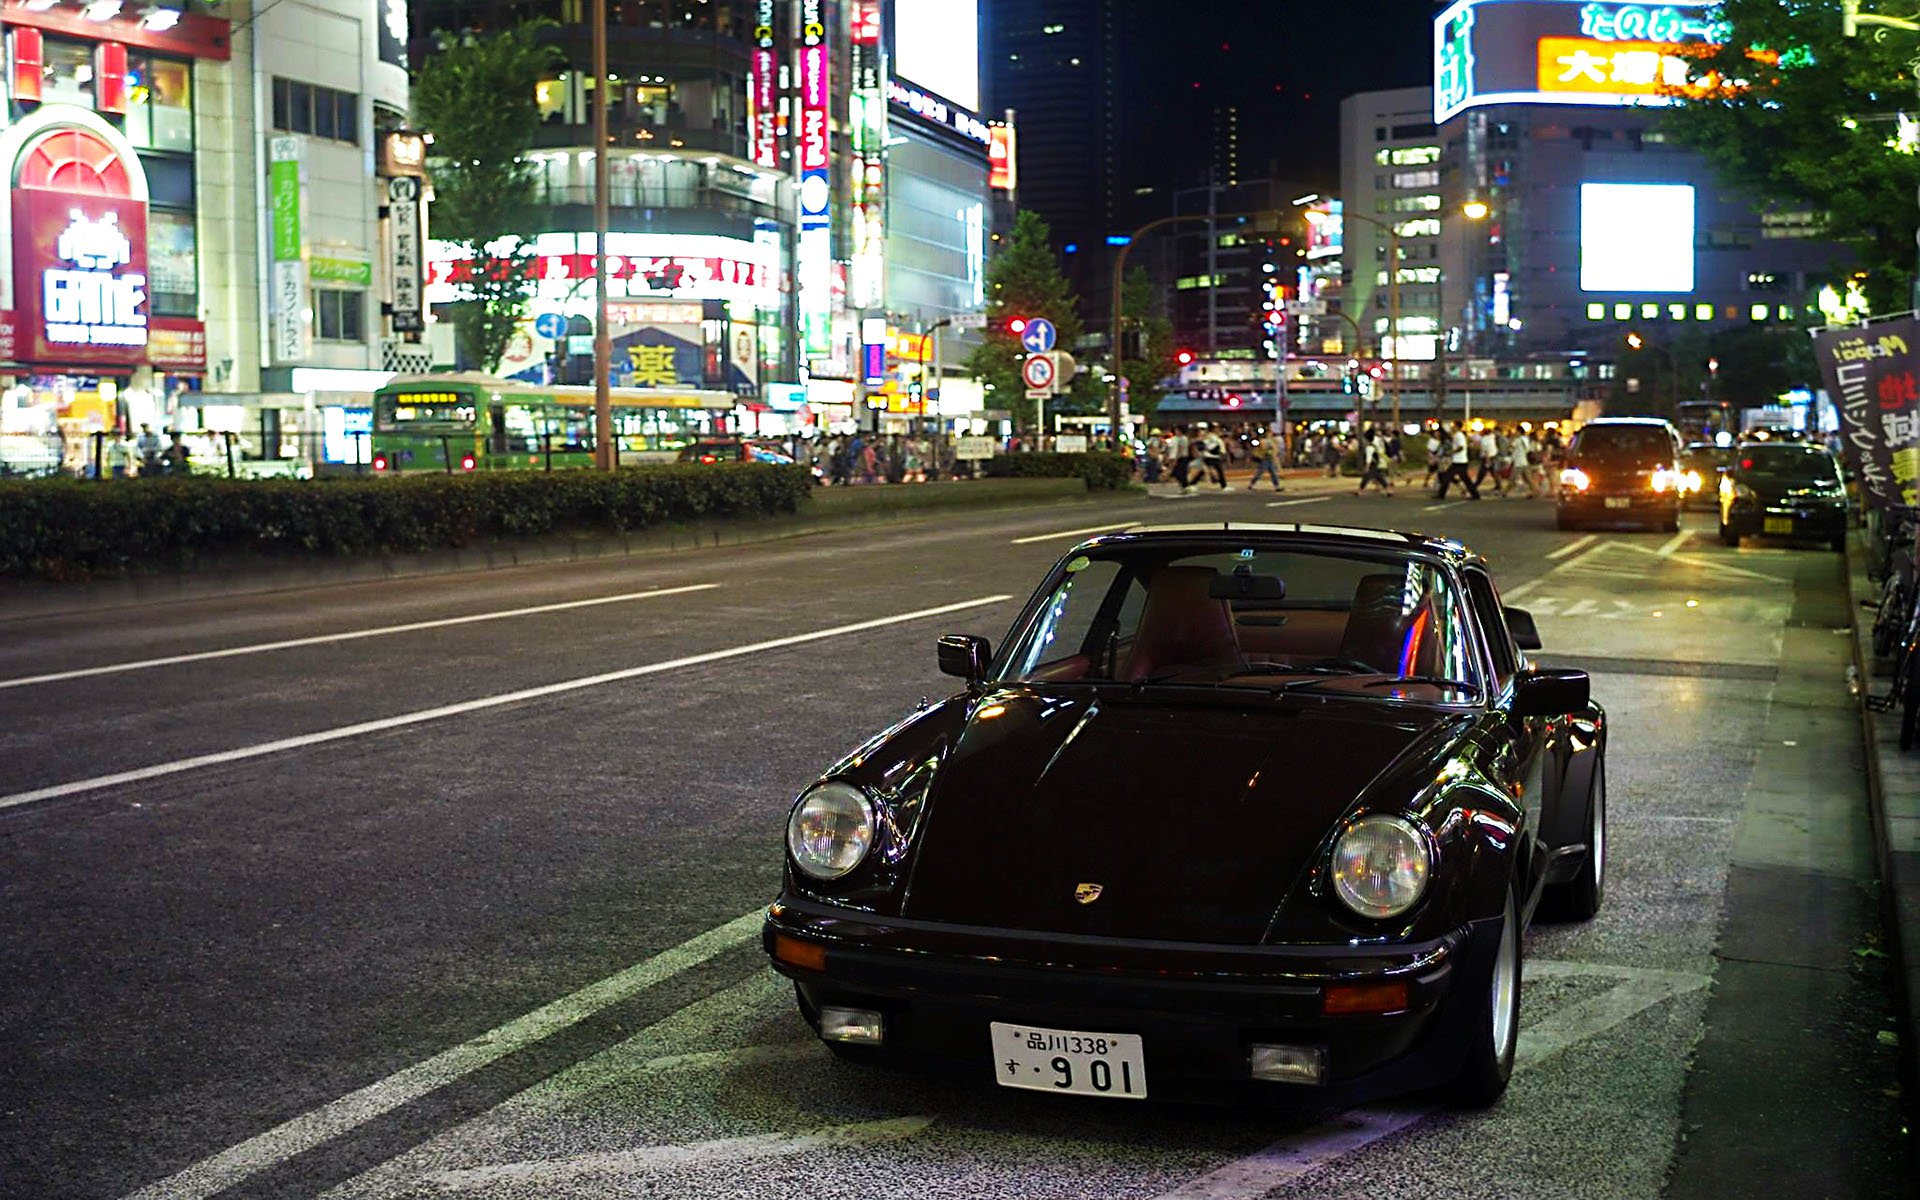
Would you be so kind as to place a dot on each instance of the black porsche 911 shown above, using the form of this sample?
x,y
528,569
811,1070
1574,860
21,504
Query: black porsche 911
x,y
1255,806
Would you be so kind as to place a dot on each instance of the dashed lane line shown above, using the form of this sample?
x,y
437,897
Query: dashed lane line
x,y
1674,543
352,635
1114,527
231,1166
160,770
1291,503
1575,546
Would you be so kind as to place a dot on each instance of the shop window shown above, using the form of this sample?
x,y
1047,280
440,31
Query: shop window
x,y
173,276
319,111
169,180
339,316
66,73
160,104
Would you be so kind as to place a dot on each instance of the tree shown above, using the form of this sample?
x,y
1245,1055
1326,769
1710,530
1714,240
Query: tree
x,y
1023,280
1816,126
1145,374
475,95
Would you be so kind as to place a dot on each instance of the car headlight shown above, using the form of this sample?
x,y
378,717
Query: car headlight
x,y
1380,866
1691,481
1742,492
830,831
1665,480
1575,478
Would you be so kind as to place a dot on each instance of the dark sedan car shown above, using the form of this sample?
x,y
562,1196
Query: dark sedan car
x,y
1248,807
1622,471
1784,490
1700,467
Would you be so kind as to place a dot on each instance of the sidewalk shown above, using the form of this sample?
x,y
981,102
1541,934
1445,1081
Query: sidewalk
x,y
1894,787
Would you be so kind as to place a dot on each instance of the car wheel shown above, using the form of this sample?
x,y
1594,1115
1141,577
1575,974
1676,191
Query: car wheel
x,y
1671,524
1838,544
1564,522
1579,898
1729,536
1489,1062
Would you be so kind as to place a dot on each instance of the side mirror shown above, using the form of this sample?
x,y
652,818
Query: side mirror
x,y
1552,693
1526,634
965,656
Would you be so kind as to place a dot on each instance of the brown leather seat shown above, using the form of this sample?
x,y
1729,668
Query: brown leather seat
x,y
1182,627
1383,633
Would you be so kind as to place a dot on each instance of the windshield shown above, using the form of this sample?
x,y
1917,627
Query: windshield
x,y
1638,444
1160,615
1792,464
416,410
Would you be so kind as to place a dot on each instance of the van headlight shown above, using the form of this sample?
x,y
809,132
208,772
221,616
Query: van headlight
x,y
1381,865
830,831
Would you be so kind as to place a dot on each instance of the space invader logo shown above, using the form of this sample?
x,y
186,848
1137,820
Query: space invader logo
x,y
94,245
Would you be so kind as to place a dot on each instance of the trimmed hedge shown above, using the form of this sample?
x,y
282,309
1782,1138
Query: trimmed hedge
x,y
1101,472
70,529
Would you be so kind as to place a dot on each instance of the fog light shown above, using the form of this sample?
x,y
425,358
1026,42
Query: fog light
x,y
860,1026
1288,1064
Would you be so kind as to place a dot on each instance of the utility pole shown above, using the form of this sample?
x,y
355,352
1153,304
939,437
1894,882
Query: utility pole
x,y
606,456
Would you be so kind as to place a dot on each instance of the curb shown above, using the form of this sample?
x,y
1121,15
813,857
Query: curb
x,y
27,599
1900,919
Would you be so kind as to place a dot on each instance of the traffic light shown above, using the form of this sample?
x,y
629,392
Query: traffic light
x,y
1016,325
1183,357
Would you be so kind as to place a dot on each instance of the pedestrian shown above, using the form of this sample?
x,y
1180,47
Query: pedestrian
x,y
1457,455
1266,461
175,460
1396,458
1488,448
1155,456
1520,453
1191,469
148,443
1213,452
122,454
1330,456
1436,462
1374,463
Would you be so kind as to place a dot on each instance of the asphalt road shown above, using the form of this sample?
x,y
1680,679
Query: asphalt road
x,y
449,886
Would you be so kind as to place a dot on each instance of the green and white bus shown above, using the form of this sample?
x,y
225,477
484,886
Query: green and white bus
x,y
472,422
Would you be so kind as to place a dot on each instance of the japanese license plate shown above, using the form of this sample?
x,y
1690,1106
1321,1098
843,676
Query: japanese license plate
x,y
1070,1061
1619,502
1777,525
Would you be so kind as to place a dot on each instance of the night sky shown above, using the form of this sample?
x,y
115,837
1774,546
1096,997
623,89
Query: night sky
x,y
1286,63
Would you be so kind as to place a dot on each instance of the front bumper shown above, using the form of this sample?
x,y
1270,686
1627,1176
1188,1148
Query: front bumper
x,y
1198,1009
1639,505
1823,522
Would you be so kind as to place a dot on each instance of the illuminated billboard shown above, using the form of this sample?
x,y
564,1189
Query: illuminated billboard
x,y
1636,237
936,44
1571,52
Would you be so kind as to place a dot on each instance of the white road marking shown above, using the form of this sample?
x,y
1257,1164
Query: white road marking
x,y
1575,546
349,636
1674,543
1291,503
540,1173
220,1171
1443,506
1637,989
241,754
1296,1155
1067,533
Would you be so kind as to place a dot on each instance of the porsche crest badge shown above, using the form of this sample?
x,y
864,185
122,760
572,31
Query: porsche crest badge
x,y
1086,893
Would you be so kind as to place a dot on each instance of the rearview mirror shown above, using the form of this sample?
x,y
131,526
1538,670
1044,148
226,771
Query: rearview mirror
x,y
965,656
1271,588
1552,693
1526,634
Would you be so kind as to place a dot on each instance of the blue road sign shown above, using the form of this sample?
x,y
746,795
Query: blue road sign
x,y
550,325
1039,336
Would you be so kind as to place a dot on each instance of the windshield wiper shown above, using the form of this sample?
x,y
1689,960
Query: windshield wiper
x,y
1430,680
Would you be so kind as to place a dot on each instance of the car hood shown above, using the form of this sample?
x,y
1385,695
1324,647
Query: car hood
x,y
1194,820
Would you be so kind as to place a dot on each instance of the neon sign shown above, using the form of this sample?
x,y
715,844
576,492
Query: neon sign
x,y
763,115
814,268
91,303
1643,23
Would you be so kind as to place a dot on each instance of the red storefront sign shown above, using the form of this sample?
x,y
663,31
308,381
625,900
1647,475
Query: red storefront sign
x,y
79,253
671,272
177,344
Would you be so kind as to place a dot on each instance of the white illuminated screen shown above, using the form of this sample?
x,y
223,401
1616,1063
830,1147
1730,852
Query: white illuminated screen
x,y
936,44
1636,237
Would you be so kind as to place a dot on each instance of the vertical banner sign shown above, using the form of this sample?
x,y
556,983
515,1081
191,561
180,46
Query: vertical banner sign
x,y
1870,373
289,299
405,253
79,250
763,84
816,181
869,104
1003,163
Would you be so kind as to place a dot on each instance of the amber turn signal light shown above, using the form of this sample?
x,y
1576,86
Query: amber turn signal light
x,y
1345,999
796,953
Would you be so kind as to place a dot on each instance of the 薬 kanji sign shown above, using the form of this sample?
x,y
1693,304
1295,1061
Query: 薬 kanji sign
x,y
1871,373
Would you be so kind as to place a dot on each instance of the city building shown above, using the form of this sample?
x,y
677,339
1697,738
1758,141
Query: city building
x,y
1058,66
784,172
1604,242
1390,192
143,281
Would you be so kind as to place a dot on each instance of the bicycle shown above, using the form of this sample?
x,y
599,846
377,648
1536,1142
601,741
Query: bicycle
x,y
1896,626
